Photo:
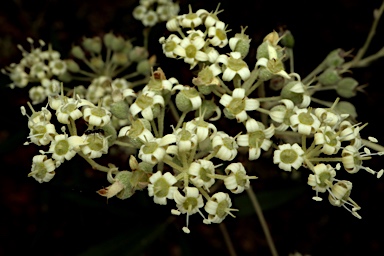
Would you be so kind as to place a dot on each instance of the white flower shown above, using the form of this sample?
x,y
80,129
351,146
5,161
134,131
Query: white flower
x,y
304,122
352,160
154,150
42,133
237,105
322,179
200,173
70,109
150,19
58,67
218,34
237,179
146,104
95,145
190,50
257,138
52,87
63,147
37,94
330,140
190,20
218,207
170,44
225,146
97,116
43,169
139,12
186,139
140,129
201,128
288,156
160,187
340,196
234,65
189,204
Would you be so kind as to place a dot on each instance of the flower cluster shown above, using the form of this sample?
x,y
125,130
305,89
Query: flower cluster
x,y
151,12
182,165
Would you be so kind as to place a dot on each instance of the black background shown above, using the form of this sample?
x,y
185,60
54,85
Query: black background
x,y
67,217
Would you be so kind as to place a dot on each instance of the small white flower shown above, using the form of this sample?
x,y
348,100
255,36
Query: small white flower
x,y
186,140
189,204
330,140
218,207
200,173
237,179
139,12
58,67
237,105
95,145
97,116
64,148
70,109
288,156
43,169
160,187
322,179
190,20
42,133
170,44
146,104
202,128
52,87
150,19
37,94
340,196
218,34
352,159
190,50
257,138
304,122
225,146
140,129
154,150
234,65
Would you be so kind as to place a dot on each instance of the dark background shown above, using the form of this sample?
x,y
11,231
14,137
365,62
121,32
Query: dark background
x,y
67,217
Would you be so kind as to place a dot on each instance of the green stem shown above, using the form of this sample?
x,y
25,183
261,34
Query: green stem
x,y
252,78
373,146
227,239
94,165
181,120
372,32
259,212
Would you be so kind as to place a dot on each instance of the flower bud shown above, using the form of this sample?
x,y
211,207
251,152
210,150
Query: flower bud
x,y
240,43
347,87
288,40
120,109
92,44
293,91
329,77
138,53
78,52
144,67
335,58
110,131
72,66
188,100
97,62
